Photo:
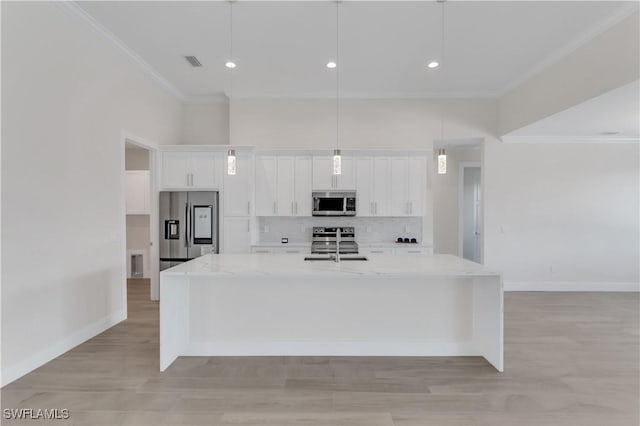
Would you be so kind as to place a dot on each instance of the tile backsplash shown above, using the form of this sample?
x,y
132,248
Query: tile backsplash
x,y
369,230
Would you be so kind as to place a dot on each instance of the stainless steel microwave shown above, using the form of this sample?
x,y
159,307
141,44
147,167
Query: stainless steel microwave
x,y
334,203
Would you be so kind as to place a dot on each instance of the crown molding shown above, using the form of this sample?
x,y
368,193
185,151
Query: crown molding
x,y
569,139
101,30
210,99
616,17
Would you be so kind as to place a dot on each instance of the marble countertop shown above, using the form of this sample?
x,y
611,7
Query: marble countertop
x,y
294,265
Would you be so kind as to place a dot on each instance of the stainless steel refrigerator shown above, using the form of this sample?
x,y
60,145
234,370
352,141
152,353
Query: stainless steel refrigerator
x,y
188,226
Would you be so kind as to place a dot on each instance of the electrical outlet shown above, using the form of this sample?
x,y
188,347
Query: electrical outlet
x,y
407,228
367,229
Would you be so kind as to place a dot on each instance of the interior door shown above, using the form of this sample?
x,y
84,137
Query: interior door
x,y
471,214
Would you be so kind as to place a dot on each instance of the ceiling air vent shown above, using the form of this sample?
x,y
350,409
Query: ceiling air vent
x,y
193,61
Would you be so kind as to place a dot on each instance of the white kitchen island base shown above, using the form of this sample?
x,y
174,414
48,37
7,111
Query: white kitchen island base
x,y
265,304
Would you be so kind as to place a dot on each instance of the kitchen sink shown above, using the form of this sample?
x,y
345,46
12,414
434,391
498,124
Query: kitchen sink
x,y
326,258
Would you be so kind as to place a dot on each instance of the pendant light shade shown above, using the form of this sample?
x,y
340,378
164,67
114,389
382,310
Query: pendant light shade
x,y
231,162
337,162
442,162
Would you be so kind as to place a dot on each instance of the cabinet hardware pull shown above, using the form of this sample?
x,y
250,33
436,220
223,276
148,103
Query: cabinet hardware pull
x,y
371,207
296,207
292,207
249,207
274,207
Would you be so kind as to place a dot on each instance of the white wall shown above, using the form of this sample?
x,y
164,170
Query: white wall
x,y
66,96
445,200
560,214
367,123
205,124
608,61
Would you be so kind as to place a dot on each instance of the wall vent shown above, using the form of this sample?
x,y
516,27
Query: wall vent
x,y
193,61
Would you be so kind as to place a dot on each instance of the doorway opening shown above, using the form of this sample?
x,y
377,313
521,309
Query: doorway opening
x,y
470,212
140,258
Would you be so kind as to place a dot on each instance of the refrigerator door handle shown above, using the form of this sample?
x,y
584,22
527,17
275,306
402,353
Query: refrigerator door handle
x,y
186,224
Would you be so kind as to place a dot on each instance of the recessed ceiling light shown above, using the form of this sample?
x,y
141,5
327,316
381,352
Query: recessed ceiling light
x,y
433,64
331,65
609,133
230,64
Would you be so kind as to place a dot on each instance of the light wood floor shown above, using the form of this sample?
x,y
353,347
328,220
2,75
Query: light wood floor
x,y
571,359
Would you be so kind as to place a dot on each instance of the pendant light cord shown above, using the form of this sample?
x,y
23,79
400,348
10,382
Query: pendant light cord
x,y
442,61
230,69
338,74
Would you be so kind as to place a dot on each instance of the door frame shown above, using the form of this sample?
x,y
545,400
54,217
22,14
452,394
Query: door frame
x,y
464,165
132,139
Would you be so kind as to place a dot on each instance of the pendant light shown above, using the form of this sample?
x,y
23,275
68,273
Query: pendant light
x,y
337,155
231,154
442,162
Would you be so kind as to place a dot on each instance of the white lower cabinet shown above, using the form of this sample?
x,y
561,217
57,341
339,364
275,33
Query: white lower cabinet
x,y
395,250
281,250
237,235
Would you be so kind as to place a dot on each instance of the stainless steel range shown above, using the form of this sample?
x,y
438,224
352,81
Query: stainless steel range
x,y
327,240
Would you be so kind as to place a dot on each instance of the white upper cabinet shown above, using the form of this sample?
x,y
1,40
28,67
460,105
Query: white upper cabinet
x,y
380,184
283,186
417,185
138,192
302,186
265,188
324,179
408,185
399,187
237,188
364,196
176,169
191,169
286,186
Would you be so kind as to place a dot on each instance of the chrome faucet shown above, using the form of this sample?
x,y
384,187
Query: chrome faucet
x,y
338,237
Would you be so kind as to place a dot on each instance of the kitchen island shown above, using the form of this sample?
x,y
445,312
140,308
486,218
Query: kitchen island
x,y
280,304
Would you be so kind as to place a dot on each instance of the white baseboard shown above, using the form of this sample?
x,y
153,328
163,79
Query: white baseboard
x,y
27,365
570,286
331,348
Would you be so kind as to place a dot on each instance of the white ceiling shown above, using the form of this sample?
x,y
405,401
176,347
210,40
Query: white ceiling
x,y
281,47
612,116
